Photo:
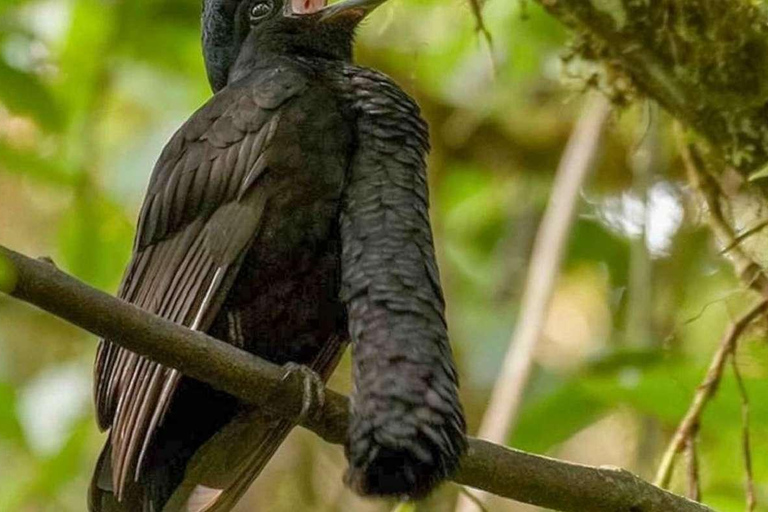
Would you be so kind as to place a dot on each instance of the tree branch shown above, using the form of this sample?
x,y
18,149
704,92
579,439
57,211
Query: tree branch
x,y
509,473
704,61
706,390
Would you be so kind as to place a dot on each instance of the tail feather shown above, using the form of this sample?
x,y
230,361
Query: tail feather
x,y
101,496
216,477
222,470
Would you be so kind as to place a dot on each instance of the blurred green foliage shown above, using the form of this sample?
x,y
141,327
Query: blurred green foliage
x,y
91,89
7,276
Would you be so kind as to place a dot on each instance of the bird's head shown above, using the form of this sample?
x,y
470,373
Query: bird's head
x,y
308,28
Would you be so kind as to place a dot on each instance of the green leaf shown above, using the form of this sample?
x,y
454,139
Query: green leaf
x,y
49,474
82,61
564,411
33,164
759,174
7,276
10,4
173,25
10,429
591,241
95,240
25,94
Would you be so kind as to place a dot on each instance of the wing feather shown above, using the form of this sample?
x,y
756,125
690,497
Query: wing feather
x,y
172,289
223,468
194,227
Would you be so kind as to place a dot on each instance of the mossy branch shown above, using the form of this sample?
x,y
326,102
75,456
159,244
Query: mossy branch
x,y
704,61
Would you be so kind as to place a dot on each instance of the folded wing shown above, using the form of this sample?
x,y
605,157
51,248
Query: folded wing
x,y
202,210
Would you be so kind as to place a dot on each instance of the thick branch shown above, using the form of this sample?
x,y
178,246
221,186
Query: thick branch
x,y
509,473
705,61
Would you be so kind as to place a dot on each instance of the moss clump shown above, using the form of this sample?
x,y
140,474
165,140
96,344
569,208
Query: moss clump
x,y
705,60
589,60
718,46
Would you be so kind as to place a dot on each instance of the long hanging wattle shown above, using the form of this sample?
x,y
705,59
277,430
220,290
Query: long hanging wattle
x,y
407,430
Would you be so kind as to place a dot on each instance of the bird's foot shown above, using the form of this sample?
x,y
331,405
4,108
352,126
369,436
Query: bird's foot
x,y
314,389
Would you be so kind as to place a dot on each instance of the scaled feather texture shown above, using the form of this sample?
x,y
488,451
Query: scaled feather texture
x,y
408,427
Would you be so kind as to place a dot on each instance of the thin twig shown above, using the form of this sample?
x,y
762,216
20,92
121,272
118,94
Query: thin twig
x,y
482,28
694,485
705,392
744,235
754,277
533,479
546,257
473,498
745,437
750,272
699,314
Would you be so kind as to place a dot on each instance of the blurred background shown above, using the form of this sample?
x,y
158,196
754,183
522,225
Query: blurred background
x,y
90,90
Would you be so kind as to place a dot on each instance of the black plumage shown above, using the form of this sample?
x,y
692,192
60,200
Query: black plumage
x,y
289,214
407,428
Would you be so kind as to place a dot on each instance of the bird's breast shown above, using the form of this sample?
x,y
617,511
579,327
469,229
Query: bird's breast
x,y
284,304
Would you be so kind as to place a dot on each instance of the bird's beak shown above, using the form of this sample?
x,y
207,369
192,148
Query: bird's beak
x,y
353,11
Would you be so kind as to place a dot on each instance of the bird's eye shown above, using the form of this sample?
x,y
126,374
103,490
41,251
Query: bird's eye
x,y
259,10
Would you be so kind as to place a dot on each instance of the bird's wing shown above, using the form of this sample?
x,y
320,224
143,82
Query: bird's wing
x,y
223,469
203,207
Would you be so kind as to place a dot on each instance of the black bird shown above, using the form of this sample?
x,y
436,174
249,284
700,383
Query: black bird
x,y
286,216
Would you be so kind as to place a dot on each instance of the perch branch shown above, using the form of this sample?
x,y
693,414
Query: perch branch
x,y
509,473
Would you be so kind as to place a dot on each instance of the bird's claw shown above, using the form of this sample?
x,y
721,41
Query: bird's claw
x,y
314,389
